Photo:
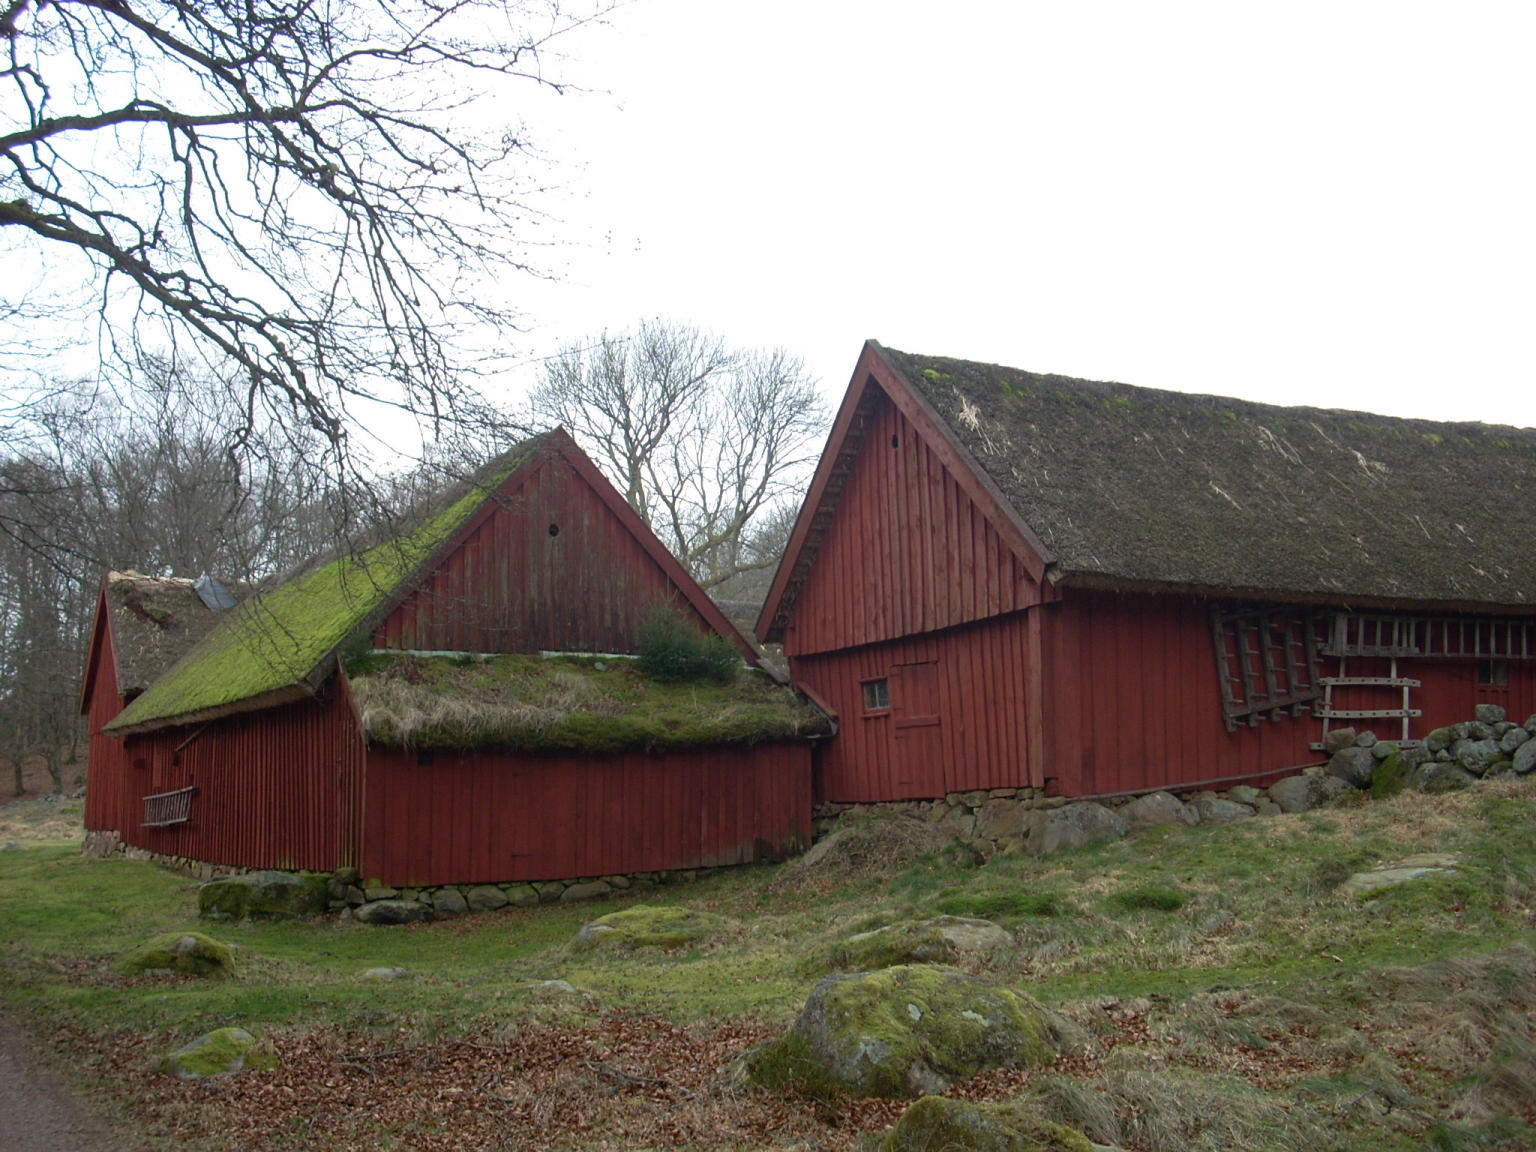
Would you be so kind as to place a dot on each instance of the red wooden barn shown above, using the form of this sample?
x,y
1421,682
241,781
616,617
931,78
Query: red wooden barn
x,y
1002,579
391,710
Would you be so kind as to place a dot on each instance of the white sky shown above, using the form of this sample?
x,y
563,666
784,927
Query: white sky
x,y
1310,203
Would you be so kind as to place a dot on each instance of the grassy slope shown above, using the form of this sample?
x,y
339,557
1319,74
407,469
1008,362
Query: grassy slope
x,y
1215,960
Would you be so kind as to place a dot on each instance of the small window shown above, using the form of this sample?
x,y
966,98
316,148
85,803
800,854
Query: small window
x,y
1492,673
877,695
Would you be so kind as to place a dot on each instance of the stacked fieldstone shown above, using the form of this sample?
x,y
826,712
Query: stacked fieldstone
x,y
1027,820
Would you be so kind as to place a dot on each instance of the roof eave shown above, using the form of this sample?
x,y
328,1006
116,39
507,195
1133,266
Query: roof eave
x,y
287,694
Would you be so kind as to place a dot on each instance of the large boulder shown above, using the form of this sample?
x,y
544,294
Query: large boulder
x,y
1437,777
1525,757
649,926
221,1052
1072,826
1366,884
1303,793
915,1029
1477,756
189,953
1157,808
1354,766
942,940
264,896
937,1122
1489,713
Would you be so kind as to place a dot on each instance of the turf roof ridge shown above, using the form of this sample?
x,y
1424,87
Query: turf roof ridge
x,y
274,645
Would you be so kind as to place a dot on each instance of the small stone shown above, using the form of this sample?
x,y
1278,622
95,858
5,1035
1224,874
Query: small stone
x,y
1489,713
1215,810
382,912
1366,739
380,893
221,1052
618,882
549,891
1244,794
449,902
385,974
1383,749
591,890
522,895
485,898
1337,739
1512,739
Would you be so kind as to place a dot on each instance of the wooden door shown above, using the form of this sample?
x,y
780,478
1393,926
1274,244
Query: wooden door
x,y
918,737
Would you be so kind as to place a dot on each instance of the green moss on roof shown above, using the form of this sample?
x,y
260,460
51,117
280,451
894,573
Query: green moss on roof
x,y
565,704
277,641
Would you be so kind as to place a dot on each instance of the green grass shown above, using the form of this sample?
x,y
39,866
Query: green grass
x,y
1238,932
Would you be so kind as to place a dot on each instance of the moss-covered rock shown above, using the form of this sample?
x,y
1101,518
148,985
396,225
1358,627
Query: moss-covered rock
x,y
942,940
937,1122
190,953
649,926
913,1029
220,1053
263,896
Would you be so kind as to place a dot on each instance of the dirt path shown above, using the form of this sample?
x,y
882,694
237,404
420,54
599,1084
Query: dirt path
x,y
40,1111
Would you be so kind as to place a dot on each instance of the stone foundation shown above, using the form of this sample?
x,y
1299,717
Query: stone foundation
x,y
349,891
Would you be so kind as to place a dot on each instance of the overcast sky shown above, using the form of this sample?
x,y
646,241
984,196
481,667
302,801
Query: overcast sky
x,y
1309,203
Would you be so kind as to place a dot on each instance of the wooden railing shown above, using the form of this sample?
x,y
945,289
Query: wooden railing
x,y
168,808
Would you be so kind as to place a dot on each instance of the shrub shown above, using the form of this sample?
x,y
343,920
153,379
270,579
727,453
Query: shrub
x,y
672,650
1151,898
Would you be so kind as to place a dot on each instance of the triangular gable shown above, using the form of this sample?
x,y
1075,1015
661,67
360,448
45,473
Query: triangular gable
x,y
100,642
515,604
282,646
874,379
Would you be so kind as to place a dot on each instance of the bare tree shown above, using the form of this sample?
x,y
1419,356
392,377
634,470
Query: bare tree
x,y
705,441
292,189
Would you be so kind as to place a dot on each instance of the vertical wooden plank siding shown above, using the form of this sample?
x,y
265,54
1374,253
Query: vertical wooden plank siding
x,y
485,816
269,786
515,587
906,552
1132,700
982,693
109,797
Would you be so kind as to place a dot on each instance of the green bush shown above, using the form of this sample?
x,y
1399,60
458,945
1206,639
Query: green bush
x,y
672,650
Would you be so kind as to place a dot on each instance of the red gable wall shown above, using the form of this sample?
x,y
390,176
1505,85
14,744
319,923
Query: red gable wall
x,y
550,568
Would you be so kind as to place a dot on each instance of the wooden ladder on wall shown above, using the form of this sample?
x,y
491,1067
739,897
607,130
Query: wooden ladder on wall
x,y
1405,711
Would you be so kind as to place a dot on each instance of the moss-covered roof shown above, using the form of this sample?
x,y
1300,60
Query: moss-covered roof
x,y
530,703
1126,484
278,645
155,622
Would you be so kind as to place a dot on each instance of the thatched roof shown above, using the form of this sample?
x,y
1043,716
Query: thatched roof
x,y
532,703
1114,486
1141,486
154,621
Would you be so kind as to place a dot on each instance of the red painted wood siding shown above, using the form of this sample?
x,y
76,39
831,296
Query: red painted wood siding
x,y
483,816
1132,700
1448,693
273,787
514,587
978,673
107,782
906,552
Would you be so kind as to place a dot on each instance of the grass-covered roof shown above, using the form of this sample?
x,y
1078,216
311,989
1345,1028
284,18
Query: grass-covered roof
x,y
155,621
275,646
530,703
1126,484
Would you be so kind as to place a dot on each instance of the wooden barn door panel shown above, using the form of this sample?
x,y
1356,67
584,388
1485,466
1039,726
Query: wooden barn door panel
x,y
917,751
